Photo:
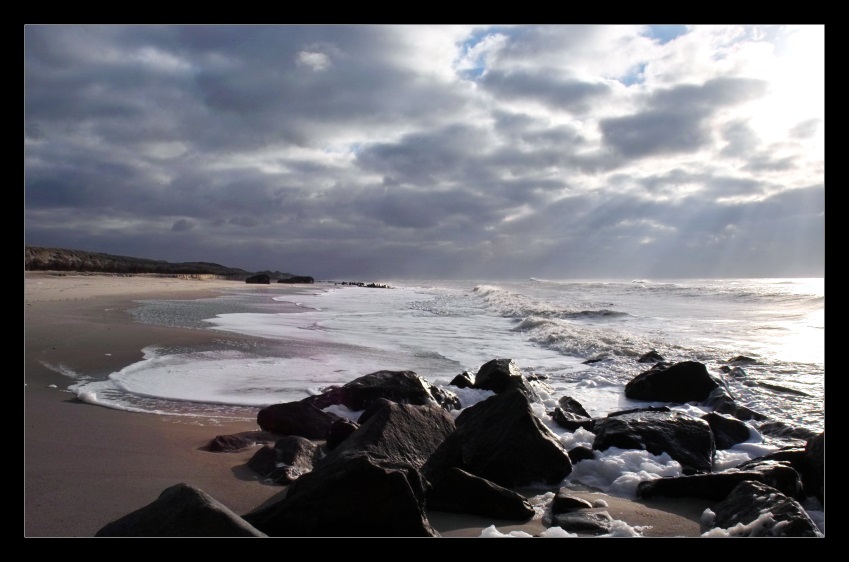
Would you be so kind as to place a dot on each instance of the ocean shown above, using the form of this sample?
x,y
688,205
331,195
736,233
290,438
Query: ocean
x,y
583,336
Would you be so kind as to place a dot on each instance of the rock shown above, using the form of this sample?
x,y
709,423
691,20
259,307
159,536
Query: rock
x,y
370,484
460,492
783,389
297,279
717,486
500,439
290,458
815,450
722,401
686,439
635,410
500,375
180,511
742,360
733,371
569,404
463,380
578,454
563,502
781,429
584,522
339,431
651,357
682,382
238,441
763,511
570,421
262,278
296,418
727,431
404,387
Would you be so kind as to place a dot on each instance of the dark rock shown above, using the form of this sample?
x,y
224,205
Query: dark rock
x,y
716,487
593,360
353,496
284,463
742,360
463,380
733,371
635,410
570,421
404,387
578,454
722,401
369,485
783,389
500,375
727,431
180,511
262,278
501,439
563,502
651,357
815,450
238,441
297,279
686,439
779,515
584,522
682,382
295,418
339,431
460,492
569,404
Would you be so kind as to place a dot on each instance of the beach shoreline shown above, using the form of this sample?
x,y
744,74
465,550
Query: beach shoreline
x,y
87,465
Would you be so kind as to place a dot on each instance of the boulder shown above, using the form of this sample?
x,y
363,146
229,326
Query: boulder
x,y
370,484
262,278
727,431
571,421
564,502
578,454
460,492
722,401
290,458
239,441
815,450
180,511
296,418
584,522
463,380
682,382
500,375
686,439
651,357
500,439
753,509
404,387
781,429
569,404
339,431
717,486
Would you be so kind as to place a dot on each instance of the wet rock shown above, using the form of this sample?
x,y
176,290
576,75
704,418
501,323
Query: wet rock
x,y
765,511
727,431
289,458
682,382
460,492
403,387
295,418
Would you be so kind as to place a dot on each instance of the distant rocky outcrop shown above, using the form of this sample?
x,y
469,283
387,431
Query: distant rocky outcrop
x,y
296,279
261,279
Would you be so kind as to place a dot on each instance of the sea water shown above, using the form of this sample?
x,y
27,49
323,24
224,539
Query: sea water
x,y
582,336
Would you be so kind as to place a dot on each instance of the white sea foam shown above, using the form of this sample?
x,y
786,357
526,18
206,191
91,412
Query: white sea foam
x,y
492,532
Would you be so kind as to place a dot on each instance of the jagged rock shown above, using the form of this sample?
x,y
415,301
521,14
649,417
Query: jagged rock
x,y
571,421
651,357
404,387
501,439
815,450
778,515
578,454
460,492
686,439
717,486
569,404
297,279
682,382
500,375
727,431
636,410
238,441
339,431
181,511
564,502
284,463
584,522
296,418
463,380
370,485
262,278
722,401
781,429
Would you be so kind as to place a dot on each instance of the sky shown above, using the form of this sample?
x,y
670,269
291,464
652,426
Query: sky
x,y
370,152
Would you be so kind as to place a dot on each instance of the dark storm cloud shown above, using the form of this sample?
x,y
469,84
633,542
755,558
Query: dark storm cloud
x,y
560,93
675,118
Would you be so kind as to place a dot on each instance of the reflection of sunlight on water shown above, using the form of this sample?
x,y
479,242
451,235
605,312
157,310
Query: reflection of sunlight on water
x,y
805,340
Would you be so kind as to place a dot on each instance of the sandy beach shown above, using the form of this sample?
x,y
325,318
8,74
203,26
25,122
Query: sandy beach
x,y
86,465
